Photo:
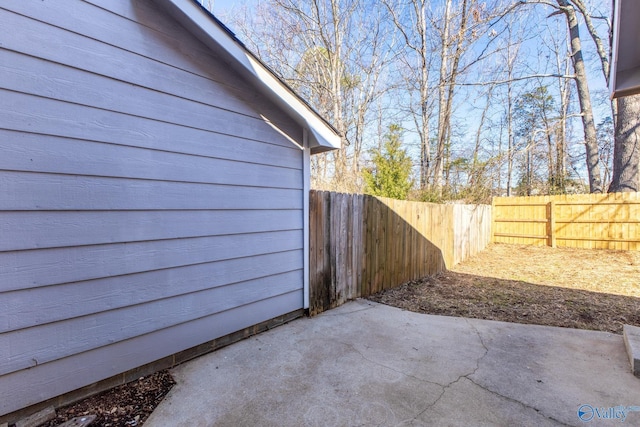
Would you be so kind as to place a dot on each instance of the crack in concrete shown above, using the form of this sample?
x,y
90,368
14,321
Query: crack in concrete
x,y
447,386
374,362
479,361
486,349
511,399
364,357
444,390
443,386
389,367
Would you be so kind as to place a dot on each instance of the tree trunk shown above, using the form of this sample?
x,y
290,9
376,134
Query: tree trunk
x,y
425,149
475,174
626,154
511,60
582,86
509,136
561,141
442,102
417,23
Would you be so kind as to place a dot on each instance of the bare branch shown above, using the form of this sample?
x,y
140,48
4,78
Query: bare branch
x,y
515,79
544,2
604,58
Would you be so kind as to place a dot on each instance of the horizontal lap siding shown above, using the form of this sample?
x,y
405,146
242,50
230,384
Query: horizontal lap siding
x,y
51,379
151,201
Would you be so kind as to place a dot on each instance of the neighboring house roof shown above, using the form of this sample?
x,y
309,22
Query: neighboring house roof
x,y
208,29
624,78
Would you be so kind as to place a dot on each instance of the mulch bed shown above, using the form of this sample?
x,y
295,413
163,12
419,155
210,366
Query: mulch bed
x,y
127,405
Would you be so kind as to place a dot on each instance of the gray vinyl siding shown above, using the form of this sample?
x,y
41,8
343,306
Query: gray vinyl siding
x,y
150,200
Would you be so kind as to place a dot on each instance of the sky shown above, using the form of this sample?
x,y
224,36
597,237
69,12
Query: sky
x,y
220,7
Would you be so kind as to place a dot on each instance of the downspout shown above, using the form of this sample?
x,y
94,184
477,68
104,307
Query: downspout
x,y
306,187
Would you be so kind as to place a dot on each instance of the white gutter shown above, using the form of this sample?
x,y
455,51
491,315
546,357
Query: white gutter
x,y
306,187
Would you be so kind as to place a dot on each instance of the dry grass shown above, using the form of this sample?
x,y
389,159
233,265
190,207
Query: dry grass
x,y
577,288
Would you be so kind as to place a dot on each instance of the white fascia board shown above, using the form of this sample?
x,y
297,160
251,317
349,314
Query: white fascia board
x,y
196,19
613,68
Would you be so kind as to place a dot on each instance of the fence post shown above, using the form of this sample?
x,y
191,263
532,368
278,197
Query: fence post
x,y
492,225
552,224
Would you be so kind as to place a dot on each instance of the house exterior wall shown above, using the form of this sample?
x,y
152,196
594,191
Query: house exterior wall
x,y
151,200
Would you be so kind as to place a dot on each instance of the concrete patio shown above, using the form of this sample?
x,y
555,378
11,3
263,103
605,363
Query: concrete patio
x,y
368,364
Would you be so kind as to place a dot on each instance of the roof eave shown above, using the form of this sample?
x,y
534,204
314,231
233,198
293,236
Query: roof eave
x,y
624,76
203,25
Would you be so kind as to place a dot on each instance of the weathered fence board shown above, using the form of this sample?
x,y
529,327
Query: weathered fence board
x,y
590,221
361,245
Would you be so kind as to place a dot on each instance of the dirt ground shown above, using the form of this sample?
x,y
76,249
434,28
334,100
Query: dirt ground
x,y
575,288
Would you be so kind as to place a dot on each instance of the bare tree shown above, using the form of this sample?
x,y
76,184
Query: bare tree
x,y
334,53
624,111
462,29
453,45
558,45
348,57
511,55
566,8
563,116
410,18
584,98
626,157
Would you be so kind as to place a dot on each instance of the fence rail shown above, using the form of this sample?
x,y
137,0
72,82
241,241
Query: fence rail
x,y
360,245
593,221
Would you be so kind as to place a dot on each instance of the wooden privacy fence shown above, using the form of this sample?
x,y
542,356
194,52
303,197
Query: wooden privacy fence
x,y
593,221
360,245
